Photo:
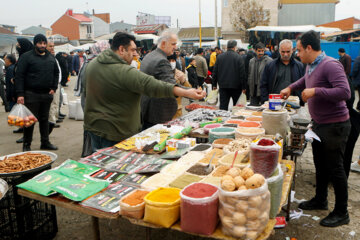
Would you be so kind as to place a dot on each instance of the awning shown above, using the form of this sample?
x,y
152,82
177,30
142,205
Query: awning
x,y
300,28
340,33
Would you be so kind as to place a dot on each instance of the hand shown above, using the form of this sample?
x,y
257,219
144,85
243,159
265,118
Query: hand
x,y
214,88
244,91
307,93
196,93
52,92
21,100
285,93
12,81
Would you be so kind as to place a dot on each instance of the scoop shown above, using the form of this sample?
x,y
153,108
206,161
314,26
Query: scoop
x,y
209,168
232,165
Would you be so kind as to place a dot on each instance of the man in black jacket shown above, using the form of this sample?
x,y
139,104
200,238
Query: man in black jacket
x,y
36,81
229,73
281,72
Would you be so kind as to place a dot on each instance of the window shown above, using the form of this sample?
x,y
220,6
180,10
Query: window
x,y
226,3
88,28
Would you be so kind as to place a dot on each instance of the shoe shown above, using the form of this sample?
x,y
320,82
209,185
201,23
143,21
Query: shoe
x,y
335,219
48,146
56,126
20,140
62,115
59,121
26,147
355,166
19,130
313,204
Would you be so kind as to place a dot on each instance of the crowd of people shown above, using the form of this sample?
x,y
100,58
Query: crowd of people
x,y
123,93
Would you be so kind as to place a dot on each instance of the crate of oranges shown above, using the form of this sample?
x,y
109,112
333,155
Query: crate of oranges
x,y
21,116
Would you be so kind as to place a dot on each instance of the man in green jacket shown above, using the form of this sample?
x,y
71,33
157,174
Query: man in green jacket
x,y
113,93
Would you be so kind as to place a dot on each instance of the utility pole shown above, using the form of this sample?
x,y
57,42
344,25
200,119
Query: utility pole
x,y
216,28
200,22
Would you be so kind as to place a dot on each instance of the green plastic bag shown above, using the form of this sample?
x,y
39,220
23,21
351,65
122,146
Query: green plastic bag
x,y
74,169
80,189
42,183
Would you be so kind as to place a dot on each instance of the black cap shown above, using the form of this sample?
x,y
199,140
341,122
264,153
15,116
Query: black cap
x,y
39,38
341,50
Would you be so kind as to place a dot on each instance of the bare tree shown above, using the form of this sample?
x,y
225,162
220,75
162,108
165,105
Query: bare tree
x,y
246,14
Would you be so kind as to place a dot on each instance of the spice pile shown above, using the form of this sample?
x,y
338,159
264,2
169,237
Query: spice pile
x,y
194,106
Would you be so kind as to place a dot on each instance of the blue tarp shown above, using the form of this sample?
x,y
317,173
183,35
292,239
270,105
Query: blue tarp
x,y
351,48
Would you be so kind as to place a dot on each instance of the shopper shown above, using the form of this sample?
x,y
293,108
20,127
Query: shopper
x,y
256,68
159,110
114,89
201,66
36,81
345,61
69,59
229,73
2,83
78,61
10,61
180,61
325,88
355,75
192,76
214,53
281,72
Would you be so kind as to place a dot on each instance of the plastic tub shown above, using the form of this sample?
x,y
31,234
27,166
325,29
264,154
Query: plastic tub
x,y
160,212
241,160
221,132
249,132
134,211
254,119
234,121
211,126
199,208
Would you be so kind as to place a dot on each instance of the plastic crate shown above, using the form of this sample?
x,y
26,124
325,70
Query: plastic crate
x,y
24,218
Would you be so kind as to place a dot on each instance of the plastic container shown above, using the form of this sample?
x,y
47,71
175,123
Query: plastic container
x,y
161,212
254,118
275,183
249,132
221,132
211,126
275,122
264,159
241,160
3,188
134,211
221,142
79,115
234,121
244,214
199,208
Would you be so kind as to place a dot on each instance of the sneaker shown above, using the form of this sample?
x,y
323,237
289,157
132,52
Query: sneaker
x,y
335,219
313,204
355,166
20,140
26,147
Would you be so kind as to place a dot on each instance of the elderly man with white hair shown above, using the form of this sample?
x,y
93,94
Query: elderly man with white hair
x,y
156,64
281,72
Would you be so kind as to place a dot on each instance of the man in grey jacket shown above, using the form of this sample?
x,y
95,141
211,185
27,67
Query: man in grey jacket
x,y
156,64
256,68
201,66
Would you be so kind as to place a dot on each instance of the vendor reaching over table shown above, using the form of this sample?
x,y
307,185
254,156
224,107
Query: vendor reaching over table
x,y
325,88
113,92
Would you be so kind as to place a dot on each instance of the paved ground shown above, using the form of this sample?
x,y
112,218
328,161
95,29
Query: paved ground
x,y
74,225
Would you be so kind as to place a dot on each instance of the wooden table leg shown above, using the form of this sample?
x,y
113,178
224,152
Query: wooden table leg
x,y
95,227
288,207
148,233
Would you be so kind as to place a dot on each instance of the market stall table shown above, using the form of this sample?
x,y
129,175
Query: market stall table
x,y
60,201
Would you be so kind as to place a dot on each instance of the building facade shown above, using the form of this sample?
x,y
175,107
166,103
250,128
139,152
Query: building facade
x,y
228,31
33,30
74,26
121,27
306,12
100,26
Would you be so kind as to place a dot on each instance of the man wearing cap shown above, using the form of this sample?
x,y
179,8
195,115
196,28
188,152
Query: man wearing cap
x,y
345,60
36,81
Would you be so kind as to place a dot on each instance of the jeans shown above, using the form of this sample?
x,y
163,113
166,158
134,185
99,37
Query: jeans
x,y
39,105
226,94
329,162
99,142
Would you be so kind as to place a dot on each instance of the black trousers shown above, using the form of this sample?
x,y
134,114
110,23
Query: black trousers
x,y
349,150
226,94
3,95
329,162
39,105
201,81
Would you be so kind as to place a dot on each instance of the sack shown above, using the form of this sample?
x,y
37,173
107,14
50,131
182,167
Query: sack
x,y
241,101
21,116
212,98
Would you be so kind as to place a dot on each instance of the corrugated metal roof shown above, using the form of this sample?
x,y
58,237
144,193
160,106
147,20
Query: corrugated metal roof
x,y
193,33
148,28
5,31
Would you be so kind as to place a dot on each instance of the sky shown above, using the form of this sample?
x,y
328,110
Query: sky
x,y
28,13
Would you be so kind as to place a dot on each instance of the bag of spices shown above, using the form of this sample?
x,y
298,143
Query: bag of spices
x,y
264,155
133,204
275,183
199,208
